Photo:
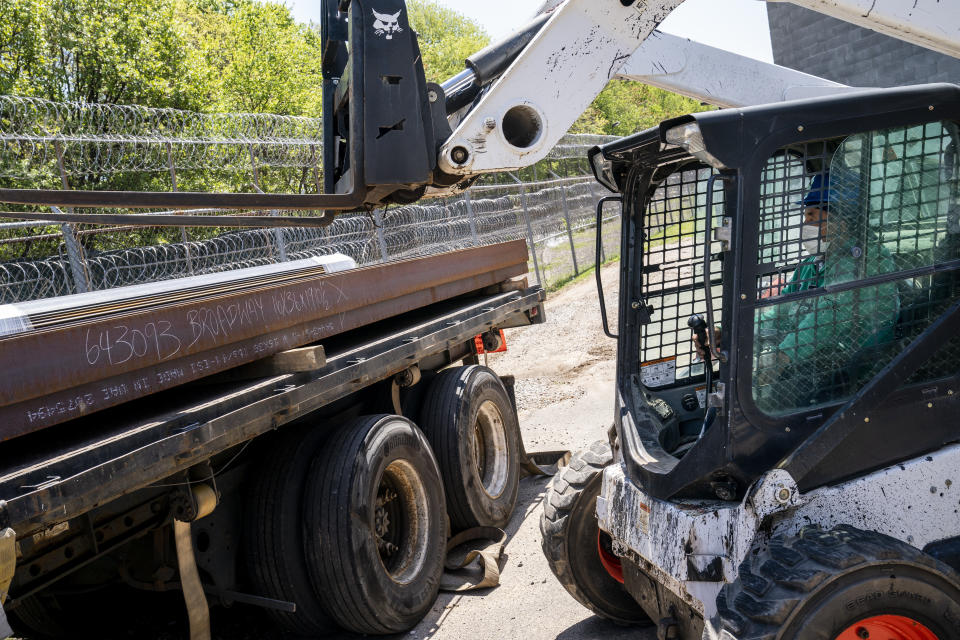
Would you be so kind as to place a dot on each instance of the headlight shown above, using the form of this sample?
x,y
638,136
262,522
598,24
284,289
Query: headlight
x,y
689,137
603,170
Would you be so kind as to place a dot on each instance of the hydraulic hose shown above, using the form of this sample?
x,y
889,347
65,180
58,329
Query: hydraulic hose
x,y
486,65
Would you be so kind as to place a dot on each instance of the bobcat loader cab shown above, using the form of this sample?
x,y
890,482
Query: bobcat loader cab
x,y
802,480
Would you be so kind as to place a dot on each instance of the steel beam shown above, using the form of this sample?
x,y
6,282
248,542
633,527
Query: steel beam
x,y
97,354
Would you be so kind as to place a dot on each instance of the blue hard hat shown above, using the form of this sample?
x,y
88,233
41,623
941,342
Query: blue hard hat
x,y
821,191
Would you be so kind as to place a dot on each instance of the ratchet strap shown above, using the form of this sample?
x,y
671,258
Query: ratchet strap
x,y
472,566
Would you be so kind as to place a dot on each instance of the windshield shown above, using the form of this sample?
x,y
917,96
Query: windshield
x,y
850,230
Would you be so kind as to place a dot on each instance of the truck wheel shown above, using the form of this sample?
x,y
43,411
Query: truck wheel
x,y
374,510
841,584
574,544
471,424
274,533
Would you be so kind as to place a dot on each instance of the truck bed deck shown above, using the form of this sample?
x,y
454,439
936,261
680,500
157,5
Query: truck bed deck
x,y
71,468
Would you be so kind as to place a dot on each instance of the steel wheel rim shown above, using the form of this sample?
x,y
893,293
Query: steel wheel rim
x,y
609,561
490,452
400,522
887,627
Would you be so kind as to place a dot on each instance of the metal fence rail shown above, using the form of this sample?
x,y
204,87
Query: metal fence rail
x,y
58,140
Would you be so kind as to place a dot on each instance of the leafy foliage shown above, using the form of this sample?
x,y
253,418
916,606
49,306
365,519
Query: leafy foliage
x,y
236,55
446,38
625,107
257,58
206,55
129,51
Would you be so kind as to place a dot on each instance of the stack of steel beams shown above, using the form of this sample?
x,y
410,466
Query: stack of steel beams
x,y
68,357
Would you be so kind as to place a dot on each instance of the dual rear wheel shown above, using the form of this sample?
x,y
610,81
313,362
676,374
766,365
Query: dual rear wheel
x,y
352,527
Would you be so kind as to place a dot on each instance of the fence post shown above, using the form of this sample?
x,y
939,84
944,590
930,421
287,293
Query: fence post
x,y
526,218
314,162
566,216
73,256
74,252
183,230
381,241
277,232
472,217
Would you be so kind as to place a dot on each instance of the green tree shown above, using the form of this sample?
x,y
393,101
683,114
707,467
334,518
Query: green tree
x,y
257,58
625,107
121,51
446,37
20,43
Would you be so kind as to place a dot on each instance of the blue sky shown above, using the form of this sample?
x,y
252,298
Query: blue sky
x,y
735,25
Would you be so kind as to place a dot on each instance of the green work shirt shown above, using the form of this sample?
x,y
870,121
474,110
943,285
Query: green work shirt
x,y
835,324
808,274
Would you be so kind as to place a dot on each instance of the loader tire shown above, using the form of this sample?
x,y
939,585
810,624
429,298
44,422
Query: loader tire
x,y
841,584
570,536
374,507
274,533
469,420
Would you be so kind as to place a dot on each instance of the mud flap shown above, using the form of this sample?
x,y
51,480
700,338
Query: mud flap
x,y
540,463
8,563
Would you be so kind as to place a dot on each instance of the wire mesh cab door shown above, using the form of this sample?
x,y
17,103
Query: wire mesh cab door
x,y
818,310
674,280
671,265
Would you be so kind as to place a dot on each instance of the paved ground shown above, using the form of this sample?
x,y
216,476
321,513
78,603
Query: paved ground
x,y
564,372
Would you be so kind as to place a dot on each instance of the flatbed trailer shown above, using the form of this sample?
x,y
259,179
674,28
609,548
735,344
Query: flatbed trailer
x,y
81,494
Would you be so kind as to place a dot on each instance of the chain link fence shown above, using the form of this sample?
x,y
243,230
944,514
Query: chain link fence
x,y
551,205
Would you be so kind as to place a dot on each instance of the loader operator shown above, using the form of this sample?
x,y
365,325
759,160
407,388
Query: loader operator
x,y
804,349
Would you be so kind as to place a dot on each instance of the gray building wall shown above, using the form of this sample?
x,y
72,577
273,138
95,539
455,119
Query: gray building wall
x,y
823,46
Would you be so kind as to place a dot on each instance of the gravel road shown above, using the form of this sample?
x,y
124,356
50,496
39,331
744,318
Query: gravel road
x,y
564,371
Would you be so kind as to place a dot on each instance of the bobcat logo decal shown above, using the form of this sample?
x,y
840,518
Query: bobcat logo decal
x,y
386,24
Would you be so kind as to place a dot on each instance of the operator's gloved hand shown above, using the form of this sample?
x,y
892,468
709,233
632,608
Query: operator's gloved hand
x,y
702,349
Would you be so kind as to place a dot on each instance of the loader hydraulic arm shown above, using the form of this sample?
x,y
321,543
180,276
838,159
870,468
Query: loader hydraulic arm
x,y
517,98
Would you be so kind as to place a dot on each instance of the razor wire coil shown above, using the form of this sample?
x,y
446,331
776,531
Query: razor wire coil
x,y
42,260
40,137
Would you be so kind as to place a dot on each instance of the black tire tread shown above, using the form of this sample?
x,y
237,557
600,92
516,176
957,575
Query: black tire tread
x,y
562,494
441,402
340,587
772,583
347,601
266,542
